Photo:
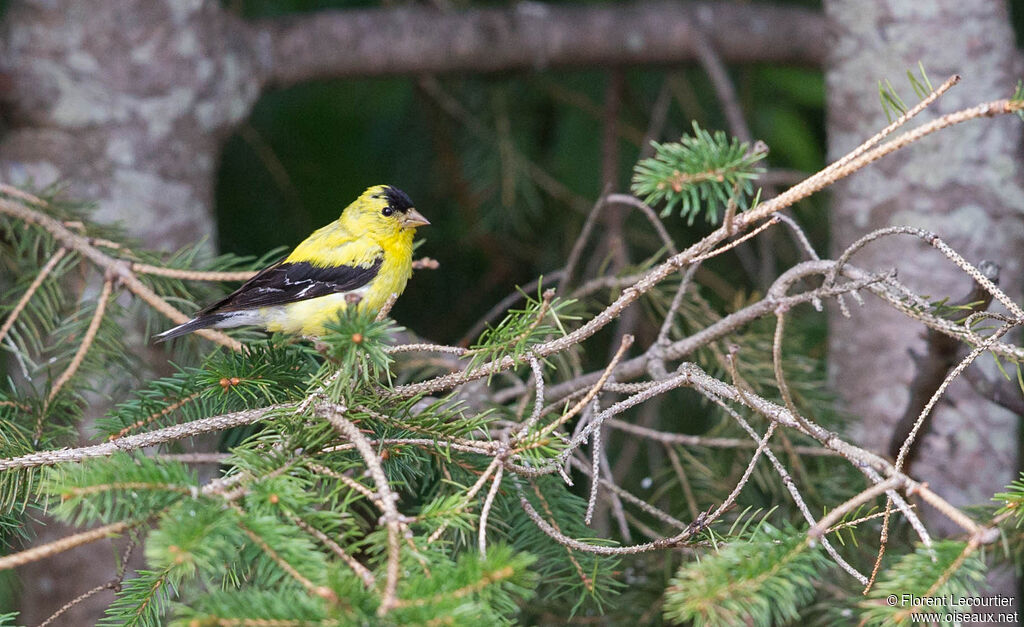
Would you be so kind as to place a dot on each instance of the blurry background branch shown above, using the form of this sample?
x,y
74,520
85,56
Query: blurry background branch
x,y
531,36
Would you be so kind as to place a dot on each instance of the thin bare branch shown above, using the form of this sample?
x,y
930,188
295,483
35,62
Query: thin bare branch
x,y
50,549
486,510
139,441
387,498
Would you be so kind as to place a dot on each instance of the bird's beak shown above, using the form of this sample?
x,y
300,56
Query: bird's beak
x,y
414,219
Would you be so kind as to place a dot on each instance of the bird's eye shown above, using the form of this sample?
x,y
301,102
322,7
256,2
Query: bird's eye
x,y
386,211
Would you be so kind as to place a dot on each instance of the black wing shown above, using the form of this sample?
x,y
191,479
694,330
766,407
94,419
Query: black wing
x,y
285,283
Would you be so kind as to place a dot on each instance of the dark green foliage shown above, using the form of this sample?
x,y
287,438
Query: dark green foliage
x,y
123,487
195,537
539,319
473,590
763,579
942,571
1013,500
699,173
200,548
252,604
1012,509
16,440
142,601
265,374
356,343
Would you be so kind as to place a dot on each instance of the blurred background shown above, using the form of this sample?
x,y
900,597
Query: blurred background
x,y
506,179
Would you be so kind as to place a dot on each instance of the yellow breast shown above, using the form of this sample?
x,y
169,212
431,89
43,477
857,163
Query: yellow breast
x,y
308,317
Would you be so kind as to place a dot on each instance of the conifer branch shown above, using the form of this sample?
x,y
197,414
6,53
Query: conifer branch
x,y
467,499
109,266
142,440
363,572
386,499
50,549
486,509
559,537
44,272
190,275
321,591
487,580
175,406
83,347
836,513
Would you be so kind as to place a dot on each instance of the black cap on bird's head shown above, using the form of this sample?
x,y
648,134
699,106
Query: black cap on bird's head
x,y
397,199
398,202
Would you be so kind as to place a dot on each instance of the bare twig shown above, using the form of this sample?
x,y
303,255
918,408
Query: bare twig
x,y
559,537
335,414
723,87
798,499
142,440
385,309
931,368
630,498
953,374
729,500
836,513
581,241
538,401
626,342
363,572
486,510
595,475
705,441
652,218
192,275
50,549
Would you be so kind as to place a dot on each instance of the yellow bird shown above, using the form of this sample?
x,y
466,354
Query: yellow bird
x,y
364,256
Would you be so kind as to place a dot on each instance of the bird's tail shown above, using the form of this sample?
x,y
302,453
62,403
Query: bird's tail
x,y
199,322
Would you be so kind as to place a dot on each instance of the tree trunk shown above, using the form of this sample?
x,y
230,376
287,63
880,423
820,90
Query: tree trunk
x,y
963,184
127,103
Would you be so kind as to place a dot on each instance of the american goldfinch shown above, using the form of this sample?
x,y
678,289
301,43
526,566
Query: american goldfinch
x,y
362,257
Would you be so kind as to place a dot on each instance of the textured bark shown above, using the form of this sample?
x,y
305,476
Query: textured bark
x,y
127,103
533,35
963,184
